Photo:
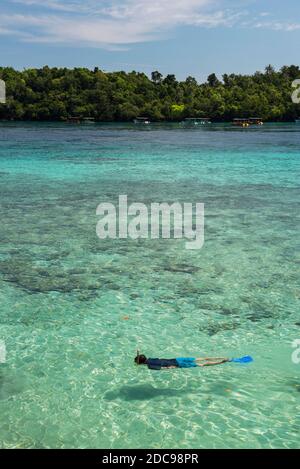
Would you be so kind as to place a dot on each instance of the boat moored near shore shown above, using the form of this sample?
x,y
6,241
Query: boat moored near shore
x,y
246,122
196,121
88,120
142,120
241,122
256,121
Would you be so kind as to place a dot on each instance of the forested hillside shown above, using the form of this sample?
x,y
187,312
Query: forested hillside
x,y
59,93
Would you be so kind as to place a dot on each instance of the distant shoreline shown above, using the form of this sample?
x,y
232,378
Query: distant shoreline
x,y
62,94
131,122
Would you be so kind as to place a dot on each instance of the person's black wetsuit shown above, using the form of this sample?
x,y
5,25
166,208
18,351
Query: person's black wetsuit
x,y
158,363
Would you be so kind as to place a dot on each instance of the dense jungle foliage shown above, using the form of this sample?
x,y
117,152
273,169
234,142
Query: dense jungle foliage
x,y
61,93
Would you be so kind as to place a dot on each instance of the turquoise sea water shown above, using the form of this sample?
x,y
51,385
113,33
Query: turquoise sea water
x,y
69,380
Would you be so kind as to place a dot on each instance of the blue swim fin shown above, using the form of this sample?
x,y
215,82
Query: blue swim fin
x,y
246,359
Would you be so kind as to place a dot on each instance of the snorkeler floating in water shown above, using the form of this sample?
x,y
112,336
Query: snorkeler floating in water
x,y
158,363
189,362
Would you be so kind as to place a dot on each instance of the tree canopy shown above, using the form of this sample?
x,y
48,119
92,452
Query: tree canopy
x,y
60,93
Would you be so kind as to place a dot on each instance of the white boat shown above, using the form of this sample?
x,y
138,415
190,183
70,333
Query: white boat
x,y
142,120
196,121
88,120
256,121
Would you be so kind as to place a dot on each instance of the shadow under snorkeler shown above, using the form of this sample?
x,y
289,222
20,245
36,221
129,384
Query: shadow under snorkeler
x,y
142,392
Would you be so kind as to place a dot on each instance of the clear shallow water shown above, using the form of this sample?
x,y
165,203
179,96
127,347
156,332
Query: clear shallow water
x,y
69,379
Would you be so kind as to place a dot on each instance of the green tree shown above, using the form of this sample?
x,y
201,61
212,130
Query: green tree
x,y
156,77
59,93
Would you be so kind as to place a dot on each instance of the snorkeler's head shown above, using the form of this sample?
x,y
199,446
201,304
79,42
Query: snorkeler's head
x,y
140,359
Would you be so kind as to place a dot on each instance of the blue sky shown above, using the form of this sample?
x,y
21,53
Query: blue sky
x,y
185,37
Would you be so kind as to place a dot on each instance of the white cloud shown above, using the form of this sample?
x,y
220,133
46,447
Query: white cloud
x,y
114,24
58,5
277,25
108,23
